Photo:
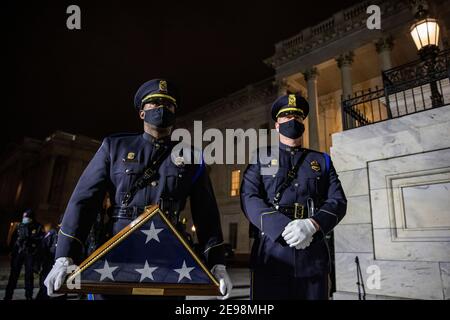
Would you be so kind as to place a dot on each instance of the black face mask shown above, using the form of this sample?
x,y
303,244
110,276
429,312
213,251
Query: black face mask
x,y
292,129
160,117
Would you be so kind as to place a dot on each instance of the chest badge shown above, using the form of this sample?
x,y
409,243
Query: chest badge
x,y
274,162
315,166
179,161
131,156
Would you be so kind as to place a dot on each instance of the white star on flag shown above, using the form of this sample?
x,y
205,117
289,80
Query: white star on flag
x,y
106,272
152,233
146,272
184,272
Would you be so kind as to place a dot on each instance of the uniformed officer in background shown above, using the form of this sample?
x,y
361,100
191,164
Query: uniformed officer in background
x,y
25,243
47,250
117,167
292,210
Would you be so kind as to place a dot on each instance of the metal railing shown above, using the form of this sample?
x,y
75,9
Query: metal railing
x,y
364,108
410,88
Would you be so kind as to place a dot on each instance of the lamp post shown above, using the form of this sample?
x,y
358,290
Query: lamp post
x,y
425,33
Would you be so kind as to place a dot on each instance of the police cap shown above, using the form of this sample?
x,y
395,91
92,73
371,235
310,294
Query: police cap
x,y
156,89
290,104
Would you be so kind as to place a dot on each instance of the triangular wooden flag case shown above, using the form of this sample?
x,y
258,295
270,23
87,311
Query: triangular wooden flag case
x,y
147,257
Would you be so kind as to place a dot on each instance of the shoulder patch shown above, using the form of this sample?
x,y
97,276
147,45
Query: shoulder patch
x,y
327,161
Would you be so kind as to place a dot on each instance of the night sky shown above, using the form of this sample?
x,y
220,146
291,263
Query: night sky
x,y
83,81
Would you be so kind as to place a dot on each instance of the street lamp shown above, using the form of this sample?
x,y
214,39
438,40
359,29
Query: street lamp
x,y
425,33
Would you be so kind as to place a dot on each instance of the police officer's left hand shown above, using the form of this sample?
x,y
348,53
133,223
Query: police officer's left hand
x,y
225,284
298,233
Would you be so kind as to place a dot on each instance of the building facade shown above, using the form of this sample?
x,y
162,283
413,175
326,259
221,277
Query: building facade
x,y
41,175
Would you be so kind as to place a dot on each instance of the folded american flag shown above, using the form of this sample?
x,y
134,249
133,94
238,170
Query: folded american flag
x,y
149,256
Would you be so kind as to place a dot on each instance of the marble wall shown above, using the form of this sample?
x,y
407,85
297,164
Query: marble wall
x,y
396,175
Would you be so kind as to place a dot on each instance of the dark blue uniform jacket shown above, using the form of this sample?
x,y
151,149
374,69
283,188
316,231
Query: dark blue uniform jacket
x,y
316,178
120,160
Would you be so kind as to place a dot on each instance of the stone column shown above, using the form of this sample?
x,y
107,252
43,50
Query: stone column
x,y
344,62
384,49
313,100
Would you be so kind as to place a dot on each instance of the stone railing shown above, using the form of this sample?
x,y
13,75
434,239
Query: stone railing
x,y
357,11
339,25
324,27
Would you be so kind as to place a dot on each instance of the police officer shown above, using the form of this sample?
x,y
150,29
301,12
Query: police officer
x,y
116,168
25,244
292,209
47,252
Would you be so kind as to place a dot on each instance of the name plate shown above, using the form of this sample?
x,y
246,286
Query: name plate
x,y
148,291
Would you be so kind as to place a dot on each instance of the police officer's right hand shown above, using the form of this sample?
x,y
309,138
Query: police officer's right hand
x,y
299,232
304,244
58,274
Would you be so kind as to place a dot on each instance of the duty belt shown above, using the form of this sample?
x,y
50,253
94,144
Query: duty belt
x,y
134,211
131,212
297,211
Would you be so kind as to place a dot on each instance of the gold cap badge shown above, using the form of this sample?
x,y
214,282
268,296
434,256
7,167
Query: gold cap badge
x,y
292,100
163,86
315,165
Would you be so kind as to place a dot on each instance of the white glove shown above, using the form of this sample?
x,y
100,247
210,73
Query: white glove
x,y
304,244
225,283
57,275
298,233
